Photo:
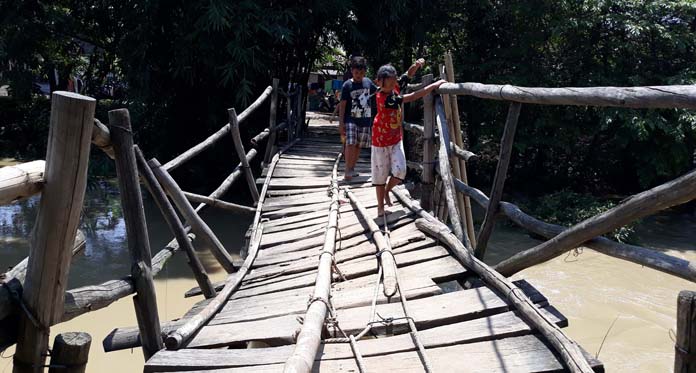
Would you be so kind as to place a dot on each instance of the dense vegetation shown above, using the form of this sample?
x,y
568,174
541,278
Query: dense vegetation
x,y
183,62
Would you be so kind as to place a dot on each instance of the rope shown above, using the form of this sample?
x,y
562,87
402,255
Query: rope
x,y
16,298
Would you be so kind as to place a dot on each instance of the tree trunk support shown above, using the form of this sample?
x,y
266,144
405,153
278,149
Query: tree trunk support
x,y
174,224
499,179
70,353
271,144
239,147
69,137
199,227
428,179
136,231
459,143
685,346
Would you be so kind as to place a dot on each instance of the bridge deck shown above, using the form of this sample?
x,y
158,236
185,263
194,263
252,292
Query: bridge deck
x,y
462,329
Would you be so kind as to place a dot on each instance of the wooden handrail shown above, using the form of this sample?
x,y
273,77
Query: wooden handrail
x,y
640,255
649,97
215,137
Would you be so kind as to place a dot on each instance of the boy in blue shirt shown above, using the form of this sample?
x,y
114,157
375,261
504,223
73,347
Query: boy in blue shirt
x,y
355,114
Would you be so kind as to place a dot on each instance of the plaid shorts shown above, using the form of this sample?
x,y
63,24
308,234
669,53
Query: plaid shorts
x,y
362,136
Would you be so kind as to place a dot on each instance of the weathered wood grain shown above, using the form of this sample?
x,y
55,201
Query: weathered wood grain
x,y
69,136
21,181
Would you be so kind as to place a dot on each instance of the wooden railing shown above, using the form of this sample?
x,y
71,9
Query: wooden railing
x,y
440,131
27,179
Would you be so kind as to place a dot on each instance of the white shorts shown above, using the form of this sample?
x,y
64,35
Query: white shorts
x,y
388,160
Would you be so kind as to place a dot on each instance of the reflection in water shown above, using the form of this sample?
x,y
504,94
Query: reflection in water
x,y
592,290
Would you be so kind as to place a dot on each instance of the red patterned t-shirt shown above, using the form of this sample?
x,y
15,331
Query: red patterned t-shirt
x,y
386,128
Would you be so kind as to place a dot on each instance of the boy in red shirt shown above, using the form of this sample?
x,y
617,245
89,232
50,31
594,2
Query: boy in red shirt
x,y
387,148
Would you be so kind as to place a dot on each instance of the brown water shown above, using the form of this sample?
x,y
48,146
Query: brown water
x,y
591,289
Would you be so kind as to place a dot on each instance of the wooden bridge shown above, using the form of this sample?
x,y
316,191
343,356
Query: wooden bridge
x,y
325,285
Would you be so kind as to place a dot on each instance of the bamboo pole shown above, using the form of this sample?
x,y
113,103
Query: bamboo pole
x,y
640,255
499,179
271,145
199,227
387,261
70,353
428,178
175,225
212,139
452,158
70,131
570,353
685,345
652,97
21,181
458,145
214,202
136,230
675,192
307,344
239,147
445,174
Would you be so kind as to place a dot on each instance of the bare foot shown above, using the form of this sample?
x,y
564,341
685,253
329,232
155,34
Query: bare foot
x,y
348,175
382,213
387,200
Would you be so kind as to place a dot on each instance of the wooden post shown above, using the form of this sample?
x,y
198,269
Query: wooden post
x,y
271,145
446,175
685,346
453,159
174,224
459,142
69,137
428,147
70,353
136,231
199,227
499,179
239,147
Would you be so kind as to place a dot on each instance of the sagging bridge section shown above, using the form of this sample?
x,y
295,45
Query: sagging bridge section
x,y
325,285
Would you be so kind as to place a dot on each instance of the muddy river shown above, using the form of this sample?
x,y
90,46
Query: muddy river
x,y
620,311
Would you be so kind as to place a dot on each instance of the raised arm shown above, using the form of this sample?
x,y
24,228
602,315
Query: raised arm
x,y
416,65
413,96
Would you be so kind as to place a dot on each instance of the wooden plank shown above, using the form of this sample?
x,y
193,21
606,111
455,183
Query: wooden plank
x,y
415,242
299,234
350,270
287,192
516,354
273,110
361,241
426,312
281,303
498,326
295,183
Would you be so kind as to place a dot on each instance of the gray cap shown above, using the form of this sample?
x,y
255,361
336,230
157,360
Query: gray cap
x,y
386,71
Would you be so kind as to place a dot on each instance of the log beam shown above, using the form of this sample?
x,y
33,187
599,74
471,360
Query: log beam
x,y
650,97
685,345
640,255
675,192
21,181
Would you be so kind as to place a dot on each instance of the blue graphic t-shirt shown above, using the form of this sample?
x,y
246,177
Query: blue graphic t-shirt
x,y
357,95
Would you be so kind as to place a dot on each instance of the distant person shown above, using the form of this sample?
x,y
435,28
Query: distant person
x,y
388,164
355,123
